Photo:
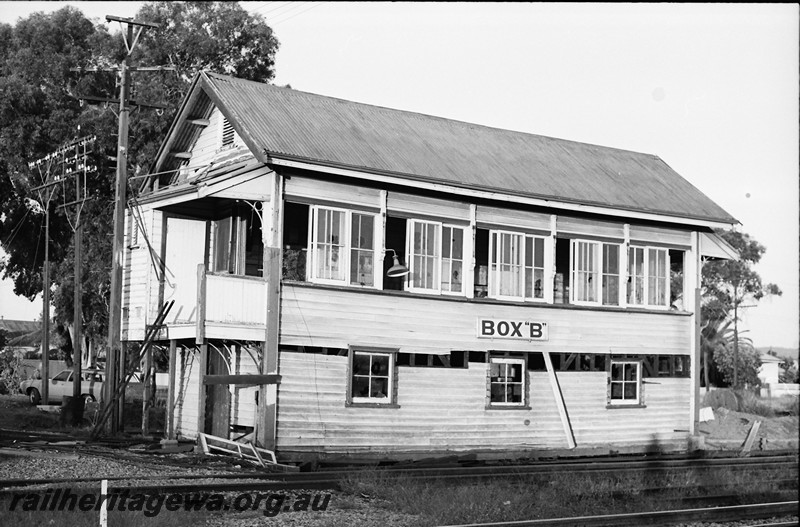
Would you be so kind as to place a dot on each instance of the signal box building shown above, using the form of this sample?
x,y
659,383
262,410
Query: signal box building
x,y
352,280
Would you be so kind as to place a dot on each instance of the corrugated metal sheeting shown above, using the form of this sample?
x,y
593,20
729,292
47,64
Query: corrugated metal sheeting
x,y
314,128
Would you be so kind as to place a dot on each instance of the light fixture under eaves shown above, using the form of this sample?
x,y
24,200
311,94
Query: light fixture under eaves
x,y
397,270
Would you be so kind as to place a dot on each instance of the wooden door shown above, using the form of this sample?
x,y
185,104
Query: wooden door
x,y
185,249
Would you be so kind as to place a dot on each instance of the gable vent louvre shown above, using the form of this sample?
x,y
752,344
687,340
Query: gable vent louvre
x,y
227,132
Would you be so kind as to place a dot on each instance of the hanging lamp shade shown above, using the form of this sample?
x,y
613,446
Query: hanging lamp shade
x,y
397,269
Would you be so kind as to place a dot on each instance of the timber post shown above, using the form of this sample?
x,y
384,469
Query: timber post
x,y
268,393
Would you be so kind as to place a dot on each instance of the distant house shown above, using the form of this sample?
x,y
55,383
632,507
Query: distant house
x,y
352,280
770,369
22,335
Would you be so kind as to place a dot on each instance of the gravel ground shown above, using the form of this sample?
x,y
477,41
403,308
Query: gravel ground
x,y
20,461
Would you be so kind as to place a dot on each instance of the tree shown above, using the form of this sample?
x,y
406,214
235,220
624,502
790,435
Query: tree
x,y
40,110
728,286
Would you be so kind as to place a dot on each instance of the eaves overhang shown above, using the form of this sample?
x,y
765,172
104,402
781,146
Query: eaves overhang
x,y
416,181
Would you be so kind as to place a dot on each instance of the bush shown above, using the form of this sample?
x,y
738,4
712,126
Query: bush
x,y
722,398
750,403
11,371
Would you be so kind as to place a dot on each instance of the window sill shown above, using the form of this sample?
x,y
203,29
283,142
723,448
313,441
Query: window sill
x,y
624,406
372,405
508,407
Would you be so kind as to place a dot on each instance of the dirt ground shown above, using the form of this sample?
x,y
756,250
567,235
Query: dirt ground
x,y
729,429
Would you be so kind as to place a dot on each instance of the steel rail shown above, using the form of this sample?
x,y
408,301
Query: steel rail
x,y
296,480
755,511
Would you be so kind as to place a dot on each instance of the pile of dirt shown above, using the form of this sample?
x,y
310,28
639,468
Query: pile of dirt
x,y
729,429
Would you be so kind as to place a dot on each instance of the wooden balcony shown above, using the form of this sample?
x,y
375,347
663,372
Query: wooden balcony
x,y
227,307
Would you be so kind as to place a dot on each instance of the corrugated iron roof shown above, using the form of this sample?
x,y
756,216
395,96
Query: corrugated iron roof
x,y
19,327
288,123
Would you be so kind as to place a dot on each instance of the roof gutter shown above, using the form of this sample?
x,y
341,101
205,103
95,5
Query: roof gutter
x,y
497,196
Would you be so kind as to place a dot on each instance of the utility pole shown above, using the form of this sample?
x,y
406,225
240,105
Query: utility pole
x,y
115,356
46,191
115,369
62,164
76,167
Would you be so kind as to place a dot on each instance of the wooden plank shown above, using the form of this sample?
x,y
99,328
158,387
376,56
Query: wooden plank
x,y
242,380
170,424
751,437
562,408
201,396
201,304
218,402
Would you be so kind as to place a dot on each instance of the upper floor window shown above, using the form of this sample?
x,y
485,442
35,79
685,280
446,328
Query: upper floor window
x,y
648,277
516,266
435,257
342,246
595,272
237,246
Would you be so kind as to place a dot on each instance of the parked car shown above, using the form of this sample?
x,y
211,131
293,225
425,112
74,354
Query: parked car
x,y
91,386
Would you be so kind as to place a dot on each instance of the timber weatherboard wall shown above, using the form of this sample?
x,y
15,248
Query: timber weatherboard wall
x,y
312,316
140,278
445,409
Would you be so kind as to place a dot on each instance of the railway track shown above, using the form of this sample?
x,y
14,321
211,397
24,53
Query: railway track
x,y
757,511
330,479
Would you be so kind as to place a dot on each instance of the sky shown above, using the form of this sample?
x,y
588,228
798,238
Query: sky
x,y
712,89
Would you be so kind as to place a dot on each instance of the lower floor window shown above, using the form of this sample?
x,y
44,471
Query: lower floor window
x,y
372,377
506,382
625,382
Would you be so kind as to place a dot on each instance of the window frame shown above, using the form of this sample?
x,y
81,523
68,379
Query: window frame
x,y
638,402
522,362
646,278
345,244
390,401
494,266
438,257
599,273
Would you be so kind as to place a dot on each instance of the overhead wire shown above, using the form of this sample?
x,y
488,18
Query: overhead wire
x,y
286,19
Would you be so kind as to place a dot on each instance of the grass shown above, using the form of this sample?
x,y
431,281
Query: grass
x,y
550,496
746,401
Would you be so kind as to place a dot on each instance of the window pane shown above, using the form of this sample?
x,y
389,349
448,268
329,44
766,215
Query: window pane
x,y
380,365
538,283
362,256
538,252
329,244
379,388
510,271
630,372
447,242
361,364
616,390
616,372
360,387
611,290
630,390
610,258
222,244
